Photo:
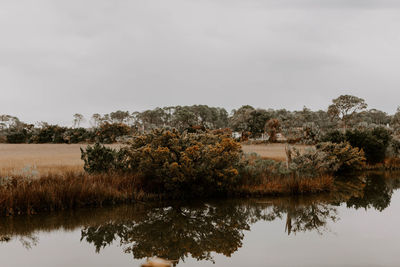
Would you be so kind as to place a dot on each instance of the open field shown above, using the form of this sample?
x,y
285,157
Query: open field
x,y
47,158
271,151
50,158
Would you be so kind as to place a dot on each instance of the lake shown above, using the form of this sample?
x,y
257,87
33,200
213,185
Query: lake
x,y
356,226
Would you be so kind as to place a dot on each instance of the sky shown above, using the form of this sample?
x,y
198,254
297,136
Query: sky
x,y
58,57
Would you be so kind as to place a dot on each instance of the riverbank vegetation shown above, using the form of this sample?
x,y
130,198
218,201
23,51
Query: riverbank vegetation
x,y
198,158
203,228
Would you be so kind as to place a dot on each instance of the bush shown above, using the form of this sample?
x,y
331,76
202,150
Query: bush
x,y
395,147
108,132
98,158
50,134
183,165
77,135
374,143
16,138
335,136
327,158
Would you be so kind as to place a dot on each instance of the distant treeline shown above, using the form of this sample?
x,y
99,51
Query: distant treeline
x,y
303,126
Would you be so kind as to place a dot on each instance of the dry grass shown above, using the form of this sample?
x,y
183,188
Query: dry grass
x,y
271,151
290,186
75,190
68,191
47,158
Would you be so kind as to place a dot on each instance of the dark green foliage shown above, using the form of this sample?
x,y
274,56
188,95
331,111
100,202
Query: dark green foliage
x,y
17,137
257,120
374,143
395,146
99,158
377,193
109,132
78,135
335,136
50,134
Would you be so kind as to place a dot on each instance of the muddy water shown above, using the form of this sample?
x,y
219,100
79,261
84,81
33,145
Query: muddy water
x,y
356,226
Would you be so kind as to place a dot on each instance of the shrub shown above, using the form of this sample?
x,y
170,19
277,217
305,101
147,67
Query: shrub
x,y
16,138
108,132
374,143
183,165
346,157
98,158
327,158
77,135
50,134
395,147
335,136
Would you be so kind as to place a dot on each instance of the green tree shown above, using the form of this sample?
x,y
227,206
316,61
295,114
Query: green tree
x,y
240,119
119,116
345,106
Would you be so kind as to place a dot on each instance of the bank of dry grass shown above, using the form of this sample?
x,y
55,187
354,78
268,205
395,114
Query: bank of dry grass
x,y
289,186
70,190
20,195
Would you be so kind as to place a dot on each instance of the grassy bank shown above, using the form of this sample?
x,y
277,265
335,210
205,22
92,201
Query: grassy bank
x,y
71,190
21,195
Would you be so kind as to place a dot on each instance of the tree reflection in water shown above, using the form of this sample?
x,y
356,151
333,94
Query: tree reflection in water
x,y
177,231
180,230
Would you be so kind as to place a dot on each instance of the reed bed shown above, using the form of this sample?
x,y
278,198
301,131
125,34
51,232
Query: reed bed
x,y
289,186
71,190
21,195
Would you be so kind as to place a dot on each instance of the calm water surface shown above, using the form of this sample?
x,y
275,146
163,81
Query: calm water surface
x,y
358,226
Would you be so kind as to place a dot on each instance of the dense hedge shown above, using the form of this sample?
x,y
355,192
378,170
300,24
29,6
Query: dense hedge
x,y
105,133
374,142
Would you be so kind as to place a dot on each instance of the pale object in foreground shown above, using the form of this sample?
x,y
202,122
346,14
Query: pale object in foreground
x,y
157,262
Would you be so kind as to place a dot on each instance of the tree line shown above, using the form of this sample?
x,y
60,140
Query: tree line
x,y
302,126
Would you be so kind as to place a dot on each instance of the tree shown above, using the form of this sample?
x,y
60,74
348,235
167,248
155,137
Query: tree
x,y
78,118
396,120
240,118
257,120
96,119
345,106
272,127
119,116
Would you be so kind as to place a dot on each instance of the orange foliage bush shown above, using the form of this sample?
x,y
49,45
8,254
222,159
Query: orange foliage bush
x,y
184,164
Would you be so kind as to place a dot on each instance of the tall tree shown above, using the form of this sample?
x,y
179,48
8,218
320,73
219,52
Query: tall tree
x,y
119,116
78,118
396,120
96,118
345,106
240,118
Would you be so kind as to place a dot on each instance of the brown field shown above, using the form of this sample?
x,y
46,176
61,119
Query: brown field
x,y
46,158
51,158
271,151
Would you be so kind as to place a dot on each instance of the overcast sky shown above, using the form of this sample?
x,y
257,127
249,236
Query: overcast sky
x,y
96,56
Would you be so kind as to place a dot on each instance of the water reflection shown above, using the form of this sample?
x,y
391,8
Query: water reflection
x,y
176,231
